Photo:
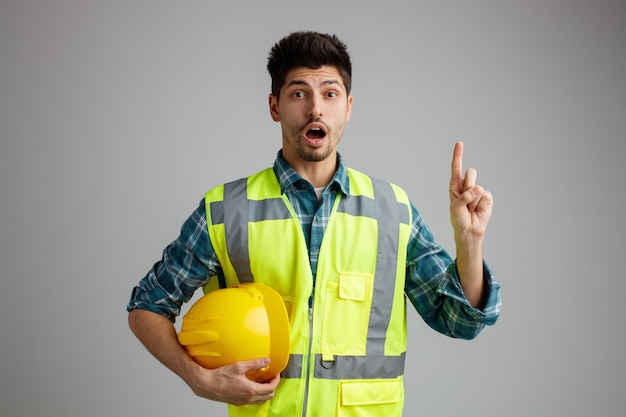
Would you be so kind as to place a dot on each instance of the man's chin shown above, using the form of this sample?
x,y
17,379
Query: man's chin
x,y
316,155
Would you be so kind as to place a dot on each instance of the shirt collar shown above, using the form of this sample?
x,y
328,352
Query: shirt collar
x,y
288,177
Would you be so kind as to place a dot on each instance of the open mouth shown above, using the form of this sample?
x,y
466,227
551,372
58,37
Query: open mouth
x,y
315,133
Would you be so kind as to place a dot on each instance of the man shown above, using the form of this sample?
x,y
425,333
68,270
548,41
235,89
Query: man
x,y
342,249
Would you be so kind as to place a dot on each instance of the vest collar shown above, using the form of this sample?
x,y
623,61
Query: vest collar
x,y
288,177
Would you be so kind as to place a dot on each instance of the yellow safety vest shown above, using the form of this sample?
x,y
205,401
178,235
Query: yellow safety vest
x,y
346,352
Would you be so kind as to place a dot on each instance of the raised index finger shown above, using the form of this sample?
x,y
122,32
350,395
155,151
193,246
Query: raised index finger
x,y
457,162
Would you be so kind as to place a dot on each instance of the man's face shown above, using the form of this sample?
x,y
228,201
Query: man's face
x,y
313,109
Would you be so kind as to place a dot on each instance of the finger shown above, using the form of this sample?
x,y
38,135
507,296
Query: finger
x,y
482,202
485,202
266,390
271,384
254,364
468,198
470,179
477,194
457,162
261,398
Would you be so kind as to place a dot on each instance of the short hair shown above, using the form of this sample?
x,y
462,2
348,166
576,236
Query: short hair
x,y
308,49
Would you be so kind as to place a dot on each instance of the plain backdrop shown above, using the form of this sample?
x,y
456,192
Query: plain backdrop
x,y
116,116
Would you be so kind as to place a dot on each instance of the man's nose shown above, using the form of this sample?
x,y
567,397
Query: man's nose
x,y
315,107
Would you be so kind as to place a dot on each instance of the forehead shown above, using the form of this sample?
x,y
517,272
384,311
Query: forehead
x,y
313,77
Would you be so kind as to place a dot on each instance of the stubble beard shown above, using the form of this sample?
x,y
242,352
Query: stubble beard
x,y
312,155
304,151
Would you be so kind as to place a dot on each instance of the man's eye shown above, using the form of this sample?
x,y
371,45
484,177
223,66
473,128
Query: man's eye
x,y
332,94
298,94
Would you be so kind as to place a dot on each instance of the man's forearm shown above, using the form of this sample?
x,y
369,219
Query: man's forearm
x,y
158,335
469,264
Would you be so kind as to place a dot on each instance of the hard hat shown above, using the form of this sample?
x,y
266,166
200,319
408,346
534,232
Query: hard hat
x,y
238,323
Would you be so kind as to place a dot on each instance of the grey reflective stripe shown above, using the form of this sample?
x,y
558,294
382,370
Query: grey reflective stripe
x,y
270,209
217,212
236,227
364,206
386,263
258,210
294,367
349,367
235,212
360,367
358,205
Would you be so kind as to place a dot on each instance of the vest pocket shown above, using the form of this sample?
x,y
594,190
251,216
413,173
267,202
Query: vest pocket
x,y
252,410
356,287
371,398
346,314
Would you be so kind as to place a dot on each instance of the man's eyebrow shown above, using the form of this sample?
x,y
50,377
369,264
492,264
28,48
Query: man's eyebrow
x,y
305,83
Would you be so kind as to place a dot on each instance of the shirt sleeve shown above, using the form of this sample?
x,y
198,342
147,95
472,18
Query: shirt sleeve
x,y
187,264
433,287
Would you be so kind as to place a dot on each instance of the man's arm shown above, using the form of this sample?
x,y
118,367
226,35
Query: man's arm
x,y
227,384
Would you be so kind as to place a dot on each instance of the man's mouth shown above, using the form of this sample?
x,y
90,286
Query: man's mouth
x,y
315,133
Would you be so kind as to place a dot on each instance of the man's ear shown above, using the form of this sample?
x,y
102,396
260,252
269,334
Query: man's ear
x,y
349,115
273,103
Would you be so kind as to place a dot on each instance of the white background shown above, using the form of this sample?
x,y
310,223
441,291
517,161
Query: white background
x,y
116,117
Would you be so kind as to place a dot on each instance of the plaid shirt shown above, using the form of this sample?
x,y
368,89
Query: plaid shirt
x,y
432,283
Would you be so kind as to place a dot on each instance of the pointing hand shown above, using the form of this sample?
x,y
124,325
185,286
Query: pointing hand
x,y
470,204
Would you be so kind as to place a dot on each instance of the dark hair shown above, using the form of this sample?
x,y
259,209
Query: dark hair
x,y
310,50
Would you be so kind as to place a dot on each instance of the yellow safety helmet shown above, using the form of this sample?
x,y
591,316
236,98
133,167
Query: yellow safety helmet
x,y
242,322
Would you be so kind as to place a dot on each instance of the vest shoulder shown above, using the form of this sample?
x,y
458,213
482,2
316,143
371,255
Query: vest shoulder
x,y
361,184
266,178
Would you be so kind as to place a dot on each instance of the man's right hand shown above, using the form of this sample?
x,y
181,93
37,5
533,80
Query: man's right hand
x,y
230,384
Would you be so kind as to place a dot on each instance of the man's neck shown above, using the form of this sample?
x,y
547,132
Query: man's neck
x,y
319,174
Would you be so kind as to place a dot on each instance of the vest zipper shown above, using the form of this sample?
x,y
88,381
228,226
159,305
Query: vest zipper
x,y
308,364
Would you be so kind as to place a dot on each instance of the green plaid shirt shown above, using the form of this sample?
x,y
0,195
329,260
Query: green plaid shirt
x,y
432,283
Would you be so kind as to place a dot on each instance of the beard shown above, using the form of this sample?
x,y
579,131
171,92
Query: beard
x,y
292,135
312,155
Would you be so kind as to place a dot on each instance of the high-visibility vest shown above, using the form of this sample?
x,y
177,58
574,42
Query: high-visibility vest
x,y
347,351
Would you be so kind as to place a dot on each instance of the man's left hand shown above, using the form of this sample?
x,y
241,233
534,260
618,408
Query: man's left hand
x,y
470,204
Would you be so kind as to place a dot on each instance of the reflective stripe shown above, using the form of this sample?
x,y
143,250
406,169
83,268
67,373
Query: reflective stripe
x,y
270,209
294,367
364,206
386,264
236,227
258,210
358,205
275,208
349,367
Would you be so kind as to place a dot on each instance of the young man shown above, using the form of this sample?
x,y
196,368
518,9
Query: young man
x,y
343,249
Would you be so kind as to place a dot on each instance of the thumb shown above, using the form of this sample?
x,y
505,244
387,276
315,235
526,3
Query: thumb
x,y
254,364
466,198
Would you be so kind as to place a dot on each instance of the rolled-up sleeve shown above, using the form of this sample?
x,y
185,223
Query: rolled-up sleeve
x,y
186,264
434,289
